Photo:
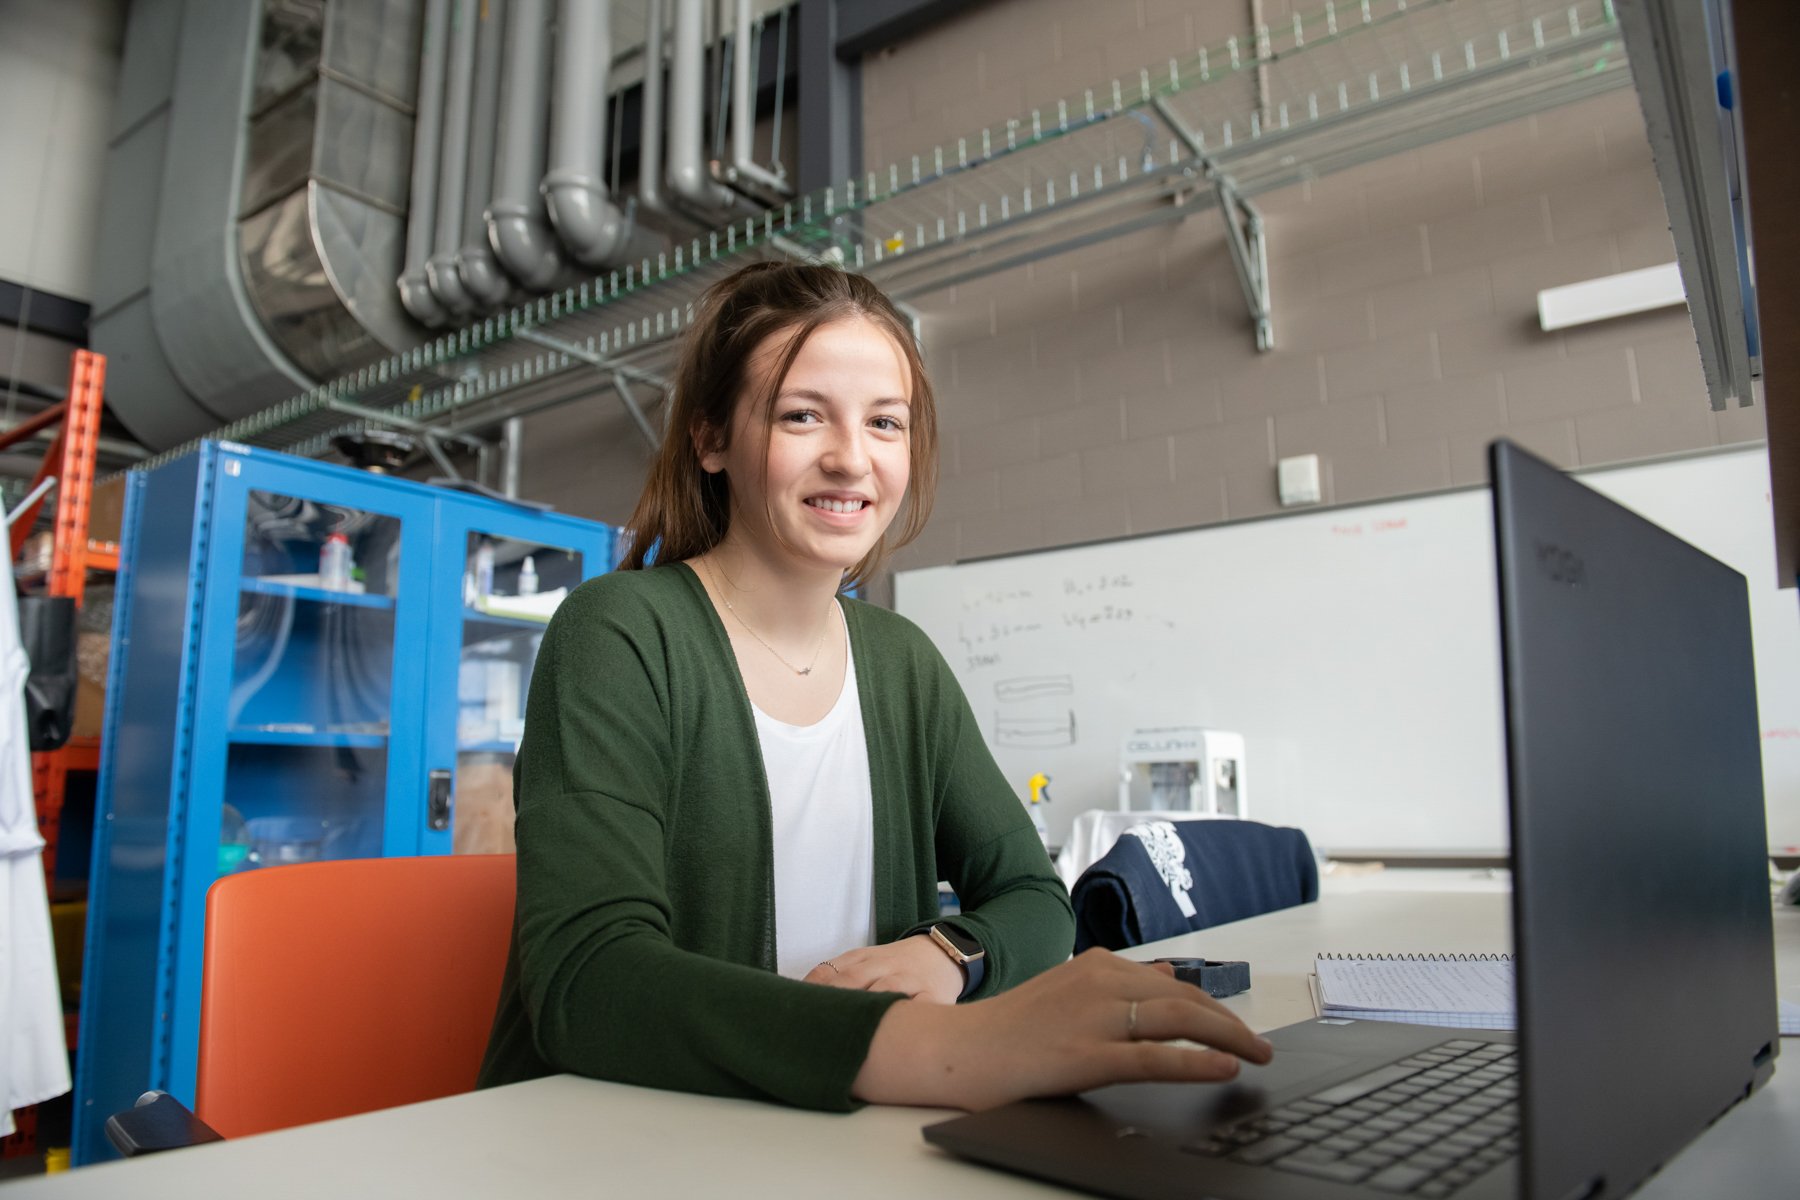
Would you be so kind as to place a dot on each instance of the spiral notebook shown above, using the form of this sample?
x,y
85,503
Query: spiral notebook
x,y
1461,991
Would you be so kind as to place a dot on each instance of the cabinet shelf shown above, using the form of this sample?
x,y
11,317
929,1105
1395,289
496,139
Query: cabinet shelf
x,y
264,587
475,616
487,747
249,736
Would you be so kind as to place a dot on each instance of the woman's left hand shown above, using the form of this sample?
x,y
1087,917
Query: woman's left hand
x,y
912,965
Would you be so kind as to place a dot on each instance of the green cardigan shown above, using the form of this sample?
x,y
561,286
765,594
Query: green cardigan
x,y
644,943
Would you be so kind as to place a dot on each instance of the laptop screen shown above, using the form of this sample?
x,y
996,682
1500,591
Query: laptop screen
x,y
1641,907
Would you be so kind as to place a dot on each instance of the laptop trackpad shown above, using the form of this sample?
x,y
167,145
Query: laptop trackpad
x,y
1185,1108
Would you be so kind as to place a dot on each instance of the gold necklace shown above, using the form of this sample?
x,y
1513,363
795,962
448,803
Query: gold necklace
x,y
823,629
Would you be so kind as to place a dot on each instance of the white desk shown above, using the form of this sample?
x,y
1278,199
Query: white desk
x,y
566,1136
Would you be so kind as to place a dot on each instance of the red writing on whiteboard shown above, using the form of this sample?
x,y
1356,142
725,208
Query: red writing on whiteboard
x,y
1347,530
1770,735
1390,526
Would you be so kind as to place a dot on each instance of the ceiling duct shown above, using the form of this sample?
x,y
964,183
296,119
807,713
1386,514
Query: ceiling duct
x,y
321,235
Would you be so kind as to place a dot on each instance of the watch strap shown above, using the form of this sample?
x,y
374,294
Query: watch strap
x,y
974,971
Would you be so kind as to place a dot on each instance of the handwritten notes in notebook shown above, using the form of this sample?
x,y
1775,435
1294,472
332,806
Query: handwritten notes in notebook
x,y
1460,991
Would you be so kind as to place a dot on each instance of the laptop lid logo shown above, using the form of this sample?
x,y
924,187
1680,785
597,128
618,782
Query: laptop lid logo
x,y
1560,565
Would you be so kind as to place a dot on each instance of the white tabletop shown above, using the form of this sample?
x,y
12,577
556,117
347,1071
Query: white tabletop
x,y
579,1137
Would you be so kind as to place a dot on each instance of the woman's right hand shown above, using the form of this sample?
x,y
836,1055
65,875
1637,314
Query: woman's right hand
x,y
1094,1020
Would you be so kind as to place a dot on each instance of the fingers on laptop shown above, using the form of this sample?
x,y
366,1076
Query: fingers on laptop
x,y
1168,1009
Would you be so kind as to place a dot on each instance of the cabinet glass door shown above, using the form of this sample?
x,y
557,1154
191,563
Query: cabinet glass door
x,y
510,588
310,704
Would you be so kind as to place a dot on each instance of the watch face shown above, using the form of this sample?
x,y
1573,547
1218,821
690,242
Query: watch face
x,y
962,941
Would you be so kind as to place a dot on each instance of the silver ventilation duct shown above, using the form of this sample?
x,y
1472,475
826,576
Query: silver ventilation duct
x,y
322,229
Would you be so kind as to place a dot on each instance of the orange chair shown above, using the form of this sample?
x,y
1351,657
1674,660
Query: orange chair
x,y
336,988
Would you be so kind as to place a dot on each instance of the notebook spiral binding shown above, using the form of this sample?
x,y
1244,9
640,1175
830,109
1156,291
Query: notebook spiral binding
x,y
1419,957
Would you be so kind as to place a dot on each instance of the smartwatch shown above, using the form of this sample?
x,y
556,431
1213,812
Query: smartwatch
x,y
965,952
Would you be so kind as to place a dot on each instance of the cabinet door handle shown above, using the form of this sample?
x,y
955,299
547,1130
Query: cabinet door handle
x,y
437,799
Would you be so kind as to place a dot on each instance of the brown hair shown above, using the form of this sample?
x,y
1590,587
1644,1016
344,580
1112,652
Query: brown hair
x,y
684,511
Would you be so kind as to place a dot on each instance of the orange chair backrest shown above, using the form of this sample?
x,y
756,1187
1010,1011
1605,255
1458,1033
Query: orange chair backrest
x,y
336,988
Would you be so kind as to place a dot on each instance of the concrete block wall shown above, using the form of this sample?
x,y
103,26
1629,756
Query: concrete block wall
x,y
1116,390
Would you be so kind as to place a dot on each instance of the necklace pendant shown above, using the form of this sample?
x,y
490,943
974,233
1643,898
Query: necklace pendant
x,y
806,670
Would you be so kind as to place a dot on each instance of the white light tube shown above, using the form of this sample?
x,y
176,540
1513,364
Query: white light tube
x,y
1612,296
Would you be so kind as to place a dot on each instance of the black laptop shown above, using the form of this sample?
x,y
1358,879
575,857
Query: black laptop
x,y
1641,923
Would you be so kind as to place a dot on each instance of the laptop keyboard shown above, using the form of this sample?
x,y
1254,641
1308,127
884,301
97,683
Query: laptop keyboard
x,y
1423,1126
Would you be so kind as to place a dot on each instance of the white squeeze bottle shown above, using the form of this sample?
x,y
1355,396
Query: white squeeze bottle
x,y
484,570
334,564
528,578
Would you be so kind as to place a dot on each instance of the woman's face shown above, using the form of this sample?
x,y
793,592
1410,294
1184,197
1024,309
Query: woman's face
x,y
836,444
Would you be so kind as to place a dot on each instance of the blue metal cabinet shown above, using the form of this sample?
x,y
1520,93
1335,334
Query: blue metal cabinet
x,y
308,662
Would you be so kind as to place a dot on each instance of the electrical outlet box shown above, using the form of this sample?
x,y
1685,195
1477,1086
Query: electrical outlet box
x,y
1297,479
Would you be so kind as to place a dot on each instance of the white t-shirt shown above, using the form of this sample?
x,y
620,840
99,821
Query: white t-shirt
x,y
824,827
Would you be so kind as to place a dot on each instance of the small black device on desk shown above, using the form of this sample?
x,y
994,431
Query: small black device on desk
x,y
1216,979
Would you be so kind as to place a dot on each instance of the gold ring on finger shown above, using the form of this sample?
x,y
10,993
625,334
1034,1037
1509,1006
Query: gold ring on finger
x,y
1131,1021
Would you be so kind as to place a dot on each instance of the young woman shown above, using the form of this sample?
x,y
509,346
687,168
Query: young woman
x,y
738,790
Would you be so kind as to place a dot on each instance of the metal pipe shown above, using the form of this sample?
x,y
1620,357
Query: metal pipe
x,y
481,275
453,161
589,224
512,445
518,228
415,292
744,167
691,185
650,139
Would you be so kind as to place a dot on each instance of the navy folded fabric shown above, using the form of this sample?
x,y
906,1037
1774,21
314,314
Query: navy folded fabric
x,y
1165,878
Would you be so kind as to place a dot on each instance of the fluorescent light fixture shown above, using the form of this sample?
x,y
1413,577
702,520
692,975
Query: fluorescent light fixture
x,y
1612,296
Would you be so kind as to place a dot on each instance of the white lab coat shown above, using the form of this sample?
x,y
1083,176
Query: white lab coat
x,y
34,1064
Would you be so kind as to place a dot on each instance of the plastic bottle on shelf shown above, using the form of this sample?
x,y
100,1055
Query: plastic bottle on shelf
x,y
528,578
484,571
234,840
334,564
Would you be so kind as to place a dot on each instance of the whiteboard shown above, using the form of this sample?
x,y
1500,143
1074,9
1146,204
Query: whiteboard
x,y
1356,650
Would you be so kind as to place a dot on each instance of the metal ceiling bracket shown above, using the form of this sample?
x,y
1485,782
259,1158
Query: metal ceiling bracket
x,y
636,411
1249,254
619,372
1244,235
